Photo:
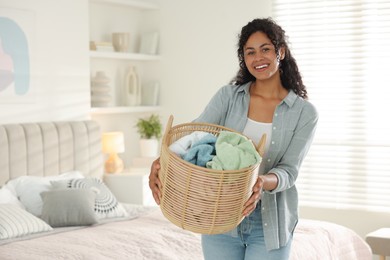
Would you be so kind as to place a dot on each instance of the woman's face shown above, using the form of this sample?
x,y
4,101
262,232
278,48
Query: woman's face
x,y
260,56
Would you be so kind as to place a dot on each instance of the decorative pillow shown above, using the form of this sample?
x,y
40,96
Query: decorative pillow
x,y
69,207
106,205
17,222
29,188
9,196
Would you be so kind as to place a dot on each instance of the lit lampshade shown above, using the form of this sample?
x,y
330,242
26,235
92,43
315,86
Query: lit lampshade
x,y
113,143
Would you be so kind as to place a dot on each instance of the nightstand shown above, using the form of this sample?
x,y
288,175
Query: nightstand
x,y
379,241
131,186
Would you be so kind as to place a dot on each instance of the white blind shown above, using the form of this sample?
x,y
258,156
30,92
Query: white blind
x,y
343,51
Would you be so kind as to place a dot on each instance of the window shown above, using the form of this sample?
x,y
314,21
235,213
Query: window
x,y
343,51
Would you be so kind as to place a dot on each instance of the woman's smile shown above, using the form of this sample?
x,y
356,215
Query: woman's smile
x,y
262,67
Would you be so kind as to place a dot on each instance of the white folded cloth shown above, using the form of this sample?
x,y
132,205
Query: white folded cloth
x,y
182,145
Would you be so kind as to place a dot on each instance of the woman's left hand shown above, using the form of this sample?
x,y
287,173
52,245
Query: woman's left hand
x,y
257,189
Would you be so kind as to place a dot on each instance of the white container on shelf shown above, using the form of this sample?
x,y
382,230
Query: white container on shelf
x,y
132,88
150,93
149,147
100,90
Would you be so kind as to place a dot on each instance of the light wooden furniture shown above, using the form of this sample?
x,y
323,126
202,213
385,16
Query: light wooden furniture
x,y
379,241
131,186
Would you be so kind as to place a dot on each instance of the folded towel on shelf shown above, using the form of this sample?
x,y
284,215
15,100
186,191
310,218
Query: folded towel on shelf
x,y
201,151
233,152
182,145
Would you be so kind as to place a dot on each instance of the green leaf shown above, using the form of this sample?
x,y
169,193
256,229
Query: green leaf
x,y
150,127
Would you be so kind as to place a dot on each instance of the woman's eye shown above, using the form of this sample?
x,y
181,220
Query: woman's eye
x,y
250,53
265,50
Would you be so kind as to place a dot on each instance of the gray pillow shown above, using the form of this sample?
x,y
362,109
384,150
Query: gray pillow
x,y
69,207
106,204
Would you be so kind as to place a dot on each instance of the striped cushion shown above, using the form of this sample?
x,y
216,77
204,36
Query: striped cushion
x,y
16,222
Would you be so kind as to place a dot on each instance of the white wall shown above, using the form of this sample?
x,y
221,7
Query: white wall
x,y
58,41
199,50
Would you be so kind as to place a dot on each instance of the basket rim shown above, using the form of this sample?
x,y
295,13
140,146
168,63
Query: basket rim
x,y
206,124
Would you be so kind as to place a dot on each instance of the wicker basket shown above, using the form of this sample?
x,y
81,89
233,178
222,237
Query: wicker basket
x,y
199,199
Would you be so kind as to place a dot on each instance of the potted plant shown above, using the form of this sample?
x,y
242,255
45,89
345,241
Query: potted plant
x,y
150,130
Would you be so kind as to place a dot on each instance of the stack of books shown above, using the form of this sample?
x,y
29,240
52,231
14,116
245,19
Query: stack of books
x,y
101,46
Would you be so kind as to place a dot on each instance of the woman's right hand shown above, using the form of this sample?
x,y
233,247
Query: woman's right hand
x,y
154,181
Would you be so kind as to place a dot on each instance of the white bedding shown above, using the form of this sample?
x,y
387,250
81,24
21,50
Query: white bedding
x,y
151,236
146,237
321,240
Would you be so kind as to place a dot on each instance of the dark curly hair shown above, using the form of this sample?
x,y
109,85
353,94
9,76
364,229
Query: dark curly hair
x,y
290,75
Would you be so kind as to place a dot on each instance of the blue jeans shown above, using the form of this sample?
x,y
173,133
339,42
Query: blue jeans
x,y
245,242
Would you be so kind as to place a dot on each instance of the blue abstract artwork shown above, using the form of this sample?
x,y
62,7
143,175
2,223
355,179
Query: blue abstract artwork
x,y
14,58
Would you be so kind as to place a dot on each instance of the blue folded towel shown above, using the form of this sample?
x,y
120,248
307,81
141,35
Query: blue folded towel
x,y
201,151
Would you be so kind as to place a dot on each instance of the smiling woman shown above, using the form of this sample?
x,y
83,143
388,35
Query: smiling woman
x,y
267,96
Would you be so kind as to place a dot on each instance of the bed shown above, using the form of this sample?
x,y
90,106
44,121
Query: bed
x,y
40,156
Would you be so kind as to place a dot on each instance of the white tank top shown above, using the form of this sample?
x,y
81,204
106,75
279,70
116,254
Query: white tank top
x,y
255,130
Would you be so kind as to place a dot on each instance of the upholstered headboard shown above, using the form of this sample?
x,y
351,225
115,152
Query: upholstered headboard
x,y
50,148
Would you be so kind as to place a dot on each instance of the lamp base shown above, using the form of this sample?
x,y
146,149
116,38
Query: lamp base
x,y
114,164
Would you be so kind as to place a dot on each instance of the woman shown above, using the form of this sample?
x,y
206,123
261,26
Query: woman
x,y
267,96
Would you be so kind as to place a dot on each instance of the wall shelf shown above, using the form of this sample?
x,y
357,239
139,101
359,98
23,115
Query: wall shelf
x,y
123,56
130,3
124,110
137,17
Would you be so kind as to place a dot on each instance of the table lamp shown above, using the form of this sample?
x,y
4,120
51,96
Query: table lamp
x,y
113,143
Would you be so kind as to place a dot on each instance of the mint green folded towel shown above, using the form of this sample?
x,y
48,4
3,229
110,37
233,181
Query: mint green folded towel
x,y
233,152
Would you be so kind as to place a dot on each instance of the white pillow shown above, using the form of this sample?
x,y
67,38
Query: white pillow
x,y
16,222
29,188
106,204
7,195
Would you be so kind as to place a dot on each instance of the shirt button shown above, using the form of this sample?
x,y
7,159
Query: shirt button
x,y
268,160
272,142
276,114
274,127
265,224
263,208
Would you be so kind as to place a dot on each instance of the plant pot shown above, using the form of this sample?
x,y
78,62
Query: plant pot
x,y
149,147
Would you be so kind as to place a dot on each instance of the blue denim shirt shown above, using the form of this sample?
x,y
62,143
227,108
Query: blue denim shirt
x,y
293,126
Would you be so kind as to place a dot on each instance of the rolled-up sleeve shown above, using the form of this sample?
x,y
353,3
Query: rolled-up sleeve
x,y
287,168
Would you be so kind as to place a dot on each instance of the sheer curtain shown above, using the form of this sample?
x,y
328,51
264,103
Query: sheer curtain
x,y
343,51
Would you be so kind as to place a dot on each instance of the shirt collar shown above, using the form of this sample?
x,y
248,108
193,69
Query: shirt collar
x,y
290,98
244,87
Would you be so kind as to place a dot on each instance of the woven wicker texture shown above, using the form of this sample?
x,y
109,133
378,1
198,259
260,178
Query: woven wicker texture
x,y
198,199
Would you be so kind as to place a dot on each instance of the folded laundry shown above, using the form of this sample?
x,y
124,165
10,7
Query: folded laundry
x,y
201,151
182,145
233,152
